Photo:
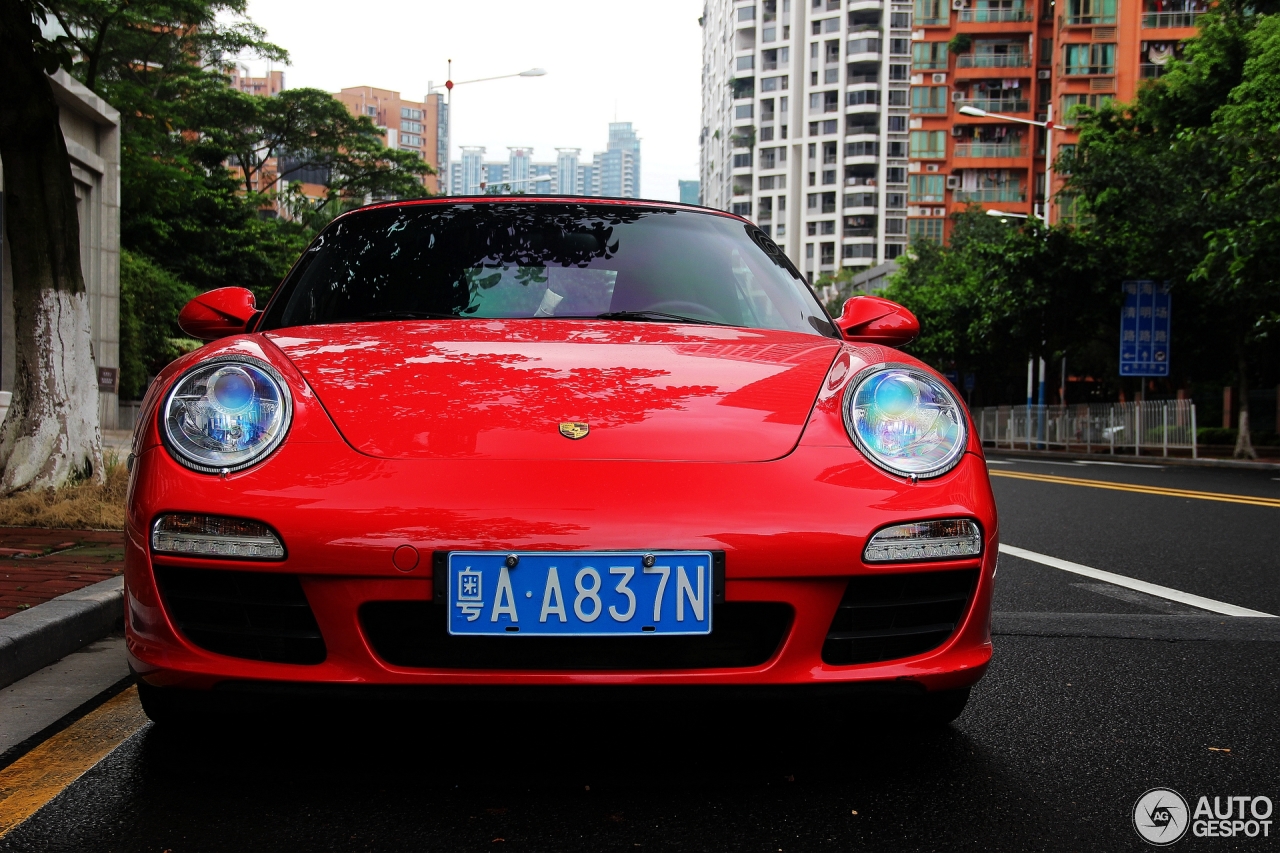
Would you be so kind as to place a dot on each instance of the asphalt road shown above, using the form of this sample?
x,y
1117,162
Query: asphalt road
x,y
1081,713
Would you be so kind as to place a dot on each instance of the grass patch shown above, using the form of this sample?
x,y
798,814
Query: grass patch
x,y
84,505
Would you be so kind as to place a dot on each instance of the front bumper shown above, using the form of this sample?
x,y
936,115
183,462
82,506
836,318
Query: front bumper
x,y
792,532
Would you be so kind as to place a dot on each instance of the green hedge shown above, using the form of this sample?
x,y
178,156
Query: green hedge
x,y
150,299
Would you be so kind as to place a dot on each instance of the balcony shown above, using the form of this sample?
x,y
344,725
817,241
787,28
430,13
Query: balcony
x,y
996,105
1149,70
1088,70
859,232
993,60
1006,194
995,16
1089,20
982,150
1165,20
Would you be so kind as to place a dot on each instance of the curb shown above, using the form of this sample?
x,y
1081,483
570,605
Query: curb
x,y
35,638
1172,461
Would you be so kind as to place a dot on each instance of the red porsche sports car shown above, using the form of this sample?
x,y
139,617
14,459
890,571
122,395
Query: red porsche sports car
x,y
554,444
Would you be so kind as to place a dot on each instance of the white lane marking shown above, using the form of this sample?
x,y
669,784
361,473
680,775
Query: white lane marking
x,y
1000,462
1133,583
1117,464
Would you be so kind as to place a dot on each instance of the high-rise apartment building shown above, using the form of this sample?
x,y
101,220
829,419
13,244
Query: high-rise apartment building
x,y
805,111
1020,61
614,172
419,126
269,85
690,192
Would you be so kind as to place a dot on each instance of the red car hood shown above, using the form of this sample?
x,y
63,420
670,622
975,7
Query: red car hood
x,y
500,389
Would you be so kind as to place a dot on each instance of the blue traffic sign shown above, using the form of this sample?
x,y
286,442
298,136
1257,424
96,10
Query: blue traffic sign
x,y
1144,329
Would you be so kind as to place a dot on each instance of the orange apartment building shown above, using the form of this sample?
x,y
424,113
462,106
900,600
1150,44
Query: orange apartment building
x,y
407,125
1026,59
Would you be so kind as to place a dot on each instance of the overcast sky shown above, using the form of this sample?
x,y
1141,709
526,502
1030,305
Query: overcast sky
x,y
638,61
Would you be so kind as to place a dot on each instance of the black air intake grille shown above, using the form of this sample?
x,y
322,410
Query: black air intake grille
x,y
885,617
256,615
413,634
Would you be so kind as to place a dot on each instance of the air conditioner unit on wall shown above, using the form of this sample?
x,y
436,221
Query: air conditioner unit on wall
x,y
953,182
931,167
957,95
1043,74
940,78
957,4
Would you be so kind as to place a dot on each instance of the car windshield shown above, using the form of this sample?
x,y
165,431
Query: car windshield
x,y
546,260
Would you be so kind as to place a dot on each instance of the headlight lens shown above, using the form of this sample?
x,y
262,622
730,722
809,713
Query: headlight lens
x,y
226,414
905,421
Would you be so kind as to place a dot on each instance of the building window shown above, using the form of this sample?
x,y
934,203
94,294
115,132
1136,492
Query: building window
x,y
411,126
862,96
892,250
742,208
932,13
929,144
865,45
822,128
830,152
924,229
895,226
744,63
929,100
900,20
827,228
926,188
1089,58
828,256
742,161
773,84
1091,11
929,56
766,134
895,175
808,251
895,201
744,111
766,209
897,124
746,13
861,149
371,111
900,73
828,177
897,149
406,112
1070,102
900,47
897,97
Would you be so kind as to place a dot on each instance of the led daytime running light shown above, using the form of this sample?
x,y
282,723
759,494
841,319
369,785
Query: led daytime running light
x,y
214,536
947,539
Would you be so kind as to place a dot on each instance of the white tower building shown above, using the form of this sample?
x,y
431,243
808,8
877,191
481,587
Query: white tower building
x,y
805,114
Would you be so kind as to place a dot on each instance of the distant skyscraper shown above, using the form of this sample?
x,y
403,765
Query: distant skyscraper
x,y
691,192
567,171
614,172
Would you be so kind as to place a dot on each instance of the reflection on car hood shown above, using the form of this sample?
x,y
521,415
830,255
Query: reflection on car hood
x,y
500,389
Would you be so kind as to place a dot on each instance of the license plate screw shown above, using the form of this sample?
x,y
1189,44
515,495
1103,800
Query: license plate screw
x,y
512,560
648,561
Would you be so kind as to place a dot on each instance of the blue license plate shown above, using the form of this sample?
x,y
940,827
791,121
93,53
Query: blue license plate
x,y
579,593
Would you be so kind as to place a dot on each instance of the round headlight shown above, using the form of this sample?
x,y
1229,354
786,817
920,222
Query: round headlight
x,y
225,414
905,421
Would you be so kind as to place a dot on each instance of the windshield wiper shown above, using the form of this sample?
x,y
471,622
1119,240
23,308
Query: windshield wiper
x,y
408,315
657,316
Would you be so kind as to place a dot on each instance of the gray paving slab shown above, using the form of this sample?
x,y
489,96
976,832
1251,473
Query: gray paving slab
x,y
42,699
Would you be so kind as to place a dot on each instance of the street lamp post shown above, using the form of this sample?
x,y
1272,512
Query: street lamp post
x,y
449,85
1049,128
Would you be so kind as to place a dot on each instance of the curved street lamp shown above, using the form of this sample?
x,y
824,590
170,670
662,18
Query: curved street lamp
x,y
1049,128
449,85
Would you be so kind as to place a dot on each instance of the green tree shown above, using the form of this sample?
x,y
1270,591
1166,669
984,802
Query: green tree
x,y
998,294
150,299
1184,182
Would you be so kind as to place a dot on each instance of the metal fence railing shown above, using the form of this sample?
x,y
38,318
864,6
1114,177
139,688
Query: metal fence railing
x,y
1149,426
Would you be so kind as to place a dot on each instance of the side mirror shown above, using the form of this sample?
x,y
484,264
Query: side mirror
x,y
873,320
218,313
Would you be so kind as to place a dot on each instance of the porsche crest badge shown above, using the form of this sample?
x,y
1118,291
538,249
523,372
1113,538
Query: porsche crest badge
x,y
574,429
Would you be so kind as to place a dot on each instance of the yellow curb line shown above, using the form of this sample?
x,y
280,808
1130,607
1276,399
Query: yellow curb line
x,y
45,771
1150,490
